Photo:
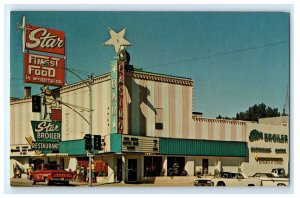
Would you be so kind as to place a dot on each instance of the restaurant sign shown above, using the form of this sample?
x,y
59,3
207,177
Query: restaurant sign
x,y
45,39
256,135
43,69
47,135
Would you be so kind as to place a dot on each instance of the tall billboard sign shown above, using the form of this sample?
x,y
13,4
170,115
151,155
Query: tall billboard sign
x,y
45,39
44,69
40,67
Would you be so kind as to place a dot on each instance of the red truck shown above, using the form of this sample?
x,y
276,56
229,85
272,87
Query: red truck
x,y
49,173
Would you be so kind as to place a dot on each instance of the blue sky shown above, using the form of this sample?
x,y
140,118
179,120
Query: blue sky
x,y
235,59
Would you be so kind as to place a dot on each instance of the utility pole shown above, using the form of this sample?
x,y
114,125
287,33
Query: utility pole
x,y
91,127
89,152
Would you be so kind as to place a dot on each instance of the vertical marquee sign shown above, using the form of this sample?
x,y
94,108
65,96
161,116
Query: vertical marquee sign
x,y
121,81
117,80
114,97
117,87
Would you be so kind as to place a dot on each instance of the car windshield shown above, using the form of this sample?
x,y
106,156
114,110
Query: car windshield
x,y
50,167
268,175
225,175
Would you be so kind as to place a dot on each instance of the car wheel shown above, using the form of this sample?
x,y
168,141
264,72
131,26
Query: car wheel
x,y
220,184
33,182
66,183
281,185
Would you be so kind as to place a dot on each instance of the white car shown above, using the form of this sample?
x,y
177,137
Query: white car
x,y
265,175
271,179
228,179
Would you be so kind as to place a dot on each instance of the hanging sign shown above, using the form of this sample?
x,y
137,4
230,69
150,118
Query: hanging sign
x,y
47,135
42,69
45,39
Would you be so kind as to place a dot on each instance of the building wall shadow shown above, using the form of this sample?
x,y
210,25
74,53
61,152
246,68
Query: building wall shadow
x,y
139,120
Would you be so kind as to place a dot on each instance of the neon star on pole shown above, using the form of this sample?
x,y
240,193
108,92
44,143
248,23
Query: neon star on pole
x,y
117,39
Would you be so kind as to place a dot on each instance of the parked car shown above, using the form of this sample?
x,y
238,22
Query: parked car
x,y
228,179
271,179
49,173
265,175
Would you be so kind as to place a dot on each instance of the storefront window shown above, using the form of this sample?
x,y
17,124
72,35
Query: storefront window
x,y
152,166
176,166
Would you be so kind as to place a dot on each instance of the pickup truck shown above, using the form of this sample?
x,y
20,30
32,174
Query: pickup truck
x,y
228,179
50,174
271,179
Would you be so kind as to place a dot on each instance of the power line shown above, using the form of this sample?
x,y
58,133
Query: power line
x,y
77,70
219,54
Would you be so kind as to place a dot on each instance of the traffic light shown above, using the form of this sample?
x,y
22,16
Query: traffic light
x,y
36,103
88,142
97,142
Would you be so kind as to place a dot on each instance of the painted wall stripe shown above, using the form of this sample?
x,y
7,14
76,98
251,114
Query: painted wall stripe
x,y
171,97
233,132
165,103
178,111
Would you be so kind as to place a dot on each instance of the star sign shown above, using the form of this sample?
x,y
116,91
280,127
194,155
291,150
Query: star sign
x,y
117,39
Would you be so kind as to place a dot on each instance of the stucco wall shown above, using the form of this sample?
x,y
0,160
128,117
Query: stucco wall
x,y
254,166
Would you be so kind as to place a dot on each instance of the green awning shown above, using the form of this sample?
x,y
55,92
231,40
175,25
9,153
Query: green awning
x,y
72,147
174,146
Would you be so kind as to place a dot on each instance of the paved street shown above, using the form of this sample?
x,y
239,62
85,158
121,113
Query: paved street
x,y
27,183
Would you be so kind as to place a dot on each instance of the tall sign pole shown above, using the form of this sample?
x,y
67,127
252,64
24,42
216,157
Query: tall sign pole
x,y
117,79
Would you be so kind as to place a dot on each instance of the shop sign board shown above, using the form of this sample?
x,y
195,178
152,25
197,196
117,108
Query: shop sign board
x,y
140,144
43,69
256,135
47,135
45,39
21,150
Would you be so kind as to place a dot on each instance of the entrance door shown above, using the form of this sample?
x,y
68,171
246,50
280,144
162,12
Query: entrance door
x,y
119,169
132,170
204,166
